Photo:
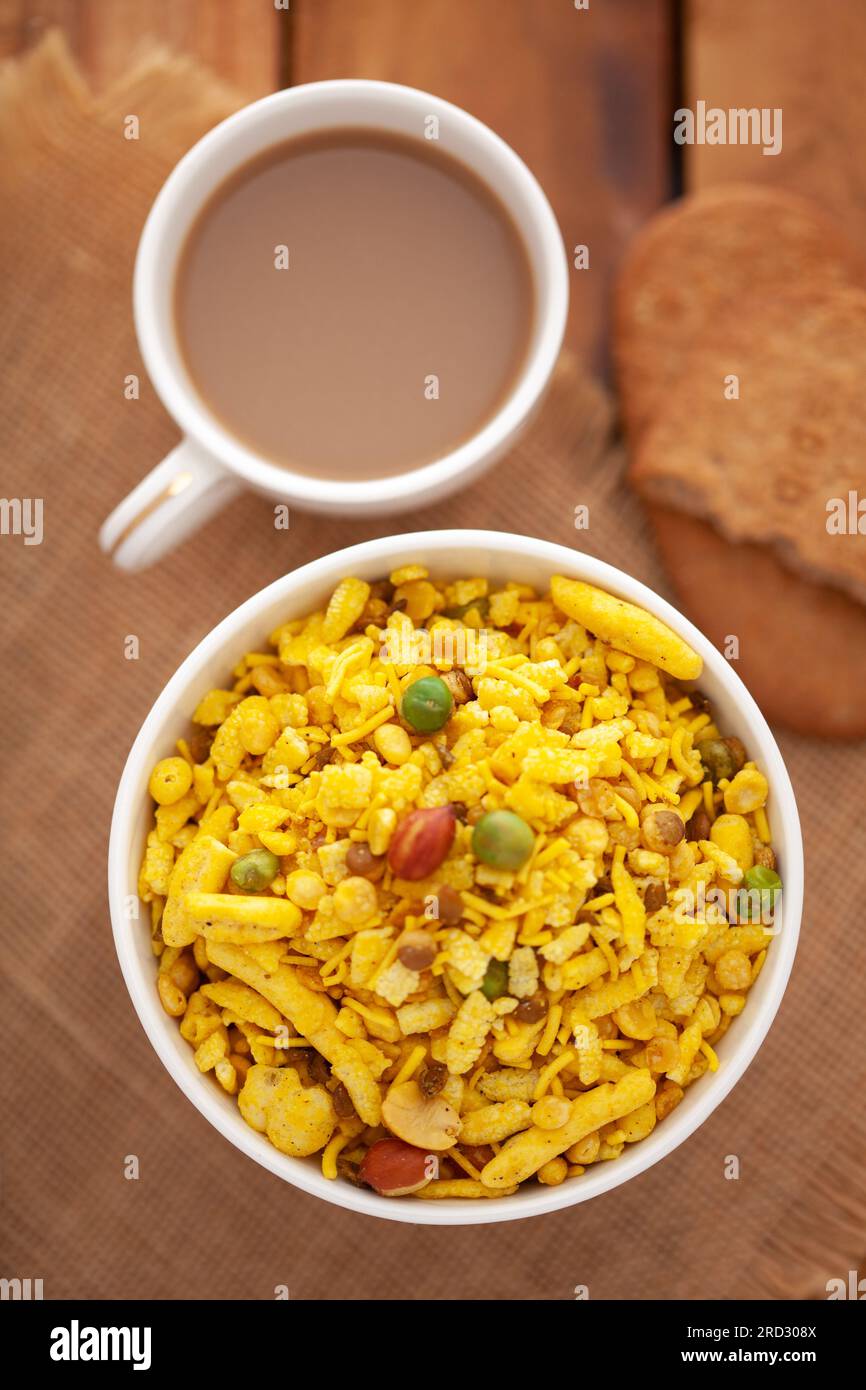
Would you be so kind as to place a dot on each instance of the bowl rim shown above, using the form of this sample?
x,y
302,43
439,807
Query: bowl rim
x,y
159,1028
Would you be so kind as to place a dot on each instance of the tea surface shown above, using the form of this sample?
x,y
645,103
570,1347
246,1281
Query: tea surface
x,y
398,327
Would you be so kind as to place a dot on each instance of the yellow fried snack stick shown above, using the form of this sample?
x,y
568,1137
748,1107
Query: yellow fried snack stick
x,y
241,920
314,1015
203,866
627,627
492,1123
308,1009
523,1155
245,1002
460,1187
267,954
630,907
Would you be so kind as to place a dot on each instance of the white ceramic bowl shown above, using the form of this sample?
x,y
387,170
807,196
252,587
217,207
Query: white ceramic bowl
x,y
450,553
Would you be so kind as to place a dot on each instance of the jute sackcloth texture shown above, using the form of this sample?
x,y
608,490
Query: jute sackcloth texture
x,y
83,1089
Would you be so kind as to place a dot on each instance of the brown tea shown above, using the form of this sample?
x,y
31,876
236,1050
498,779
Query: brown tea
x,y
353,304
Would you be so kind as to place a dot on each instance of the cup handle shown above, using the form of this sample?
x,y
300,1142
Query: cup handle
x,y
175,499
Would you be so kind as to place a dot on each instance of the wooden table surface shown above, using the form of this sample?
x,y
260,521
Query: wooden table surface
x,y
586,96
582,96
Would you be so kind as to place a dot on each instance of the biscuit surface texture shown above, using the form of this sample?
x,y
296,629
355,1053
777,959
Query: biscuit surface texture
x,y
776,465
802,646
701,255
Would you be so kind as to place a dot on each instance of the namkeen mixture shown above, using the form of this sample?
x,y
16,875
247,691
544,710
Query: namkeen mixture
x,y
459,886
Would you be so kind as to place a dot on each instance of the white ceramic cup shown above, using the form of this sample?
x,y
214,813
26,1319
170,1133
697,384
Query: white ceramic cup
x,y
451,554
210,465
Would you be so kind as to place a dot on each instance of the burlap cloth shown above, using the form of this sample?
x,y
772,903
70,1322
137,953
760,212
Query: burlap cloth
x,y
83,1087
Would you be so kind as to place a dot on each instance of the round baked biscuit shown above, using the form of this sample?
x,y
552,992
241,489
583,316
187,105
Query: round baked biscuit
x,y
779,463
801,646
697,257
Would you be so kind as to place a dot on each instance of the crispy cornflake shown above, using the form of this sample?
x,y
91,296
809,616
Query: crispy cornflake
x,y
466,956
344,608
468,1032
508,1084
368,951
344,792
556,765
214,708
557,1006
396,983
157,868
425,1017
523,972
244,1002
567,944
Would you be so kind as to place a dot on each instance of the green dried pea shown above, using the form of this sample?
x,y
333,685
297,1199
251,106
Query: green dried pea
x,y
427,704
254,871
495,982
503,840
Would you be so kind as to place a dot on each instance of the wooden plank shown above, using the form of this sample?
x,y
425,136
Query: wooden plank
x,y
239,40
582,95
803,57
